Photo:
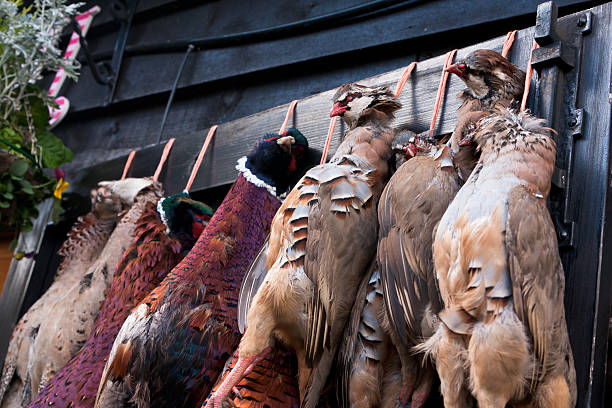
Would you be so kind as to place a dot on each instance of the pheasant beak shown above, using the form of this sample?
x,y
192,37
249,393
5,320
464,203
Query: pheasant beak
x,y
285,143
337,110
457,69
466,141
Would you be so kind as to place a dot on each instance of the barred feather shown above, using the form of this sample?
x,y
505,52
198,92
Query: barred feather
x,y
271,384
188,327
152,254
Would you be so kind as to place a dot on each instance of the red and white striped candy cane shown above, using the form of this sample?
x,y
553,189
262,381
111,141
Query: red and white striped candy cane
x,y
84,20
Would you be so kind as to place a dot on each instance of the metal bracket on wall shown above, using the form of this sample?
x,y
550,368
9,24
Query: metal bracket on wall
x,y
123,11
557,63
97,70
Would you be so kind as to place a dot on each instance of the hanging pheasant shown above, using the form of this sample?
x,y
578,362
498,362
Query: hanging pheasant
x,y
492,81
322,240
272,383
157,247
504,337
57,325
411,205
173,346
368,364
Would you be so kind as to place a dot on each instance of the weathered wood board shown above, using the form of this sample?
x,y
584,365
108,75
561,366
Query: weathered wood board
x,y
409,20
19,274
223,84
235,139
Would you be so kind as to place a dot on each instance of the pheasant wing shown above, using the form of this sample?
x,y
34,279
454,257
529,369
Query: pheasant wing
x,y
251,283
410,208
536,272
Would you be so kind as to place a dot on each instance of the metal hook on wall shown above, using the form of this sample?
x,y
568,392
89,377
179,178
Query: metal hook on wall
x,y
94,68
173,91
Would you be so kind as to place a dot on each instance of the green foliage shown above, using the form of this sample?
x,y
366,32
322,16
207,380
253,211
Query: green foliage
x,y
34,113
54,152
22,188
11,136
18,169
28,46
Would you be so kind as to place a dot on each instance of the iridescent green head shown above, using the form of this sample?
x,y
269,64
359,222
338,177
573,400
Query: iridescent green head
x,y
182,214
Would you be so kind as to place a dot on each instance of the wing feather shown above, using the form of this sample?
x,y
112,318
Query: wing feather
x,y
411,205
537,277
251,283
343,198
363,336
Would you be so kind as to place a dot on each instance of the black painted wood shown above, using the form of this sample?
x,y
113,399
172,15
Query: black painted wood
x,y
98,137
150,74
102,134
588,267
235,138
106,23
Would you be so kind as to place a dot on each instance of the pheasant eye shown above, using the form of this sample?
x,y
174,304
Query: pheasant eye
x,y
349,98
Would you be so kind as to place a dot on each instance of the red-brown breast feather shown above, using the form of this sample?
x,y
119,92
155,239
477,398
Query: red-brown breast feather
x,y
272,383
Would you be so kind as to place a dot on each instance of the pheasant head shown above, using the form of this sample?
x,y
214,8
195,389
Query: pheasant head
x,y
489,76
183,215
276,158
351,101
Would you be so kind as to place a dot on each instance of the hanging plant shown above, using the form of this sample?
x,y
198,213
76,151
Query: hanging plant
x,y
28,150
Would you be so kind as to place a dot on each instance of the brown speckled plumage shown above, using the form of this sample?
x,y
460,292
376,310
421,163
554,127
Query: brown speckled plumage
x,y
411,205
323,238
82,246
151,255
62,319
504,337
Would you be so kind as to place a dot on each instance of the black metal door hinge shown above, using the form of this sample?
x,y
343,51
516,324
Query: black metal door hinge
x,y
557,63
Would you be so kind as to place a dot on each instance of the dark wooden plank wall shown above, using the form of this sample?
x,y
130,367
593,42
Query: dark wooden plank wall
x,y
223,85
234,139
588,265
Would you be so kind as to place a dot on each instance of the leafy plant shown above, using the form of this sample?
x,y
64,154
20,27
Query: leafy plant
x,y
21,189
28,47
